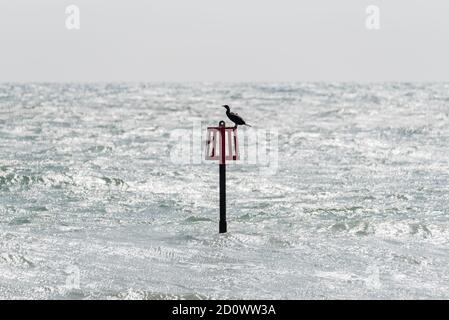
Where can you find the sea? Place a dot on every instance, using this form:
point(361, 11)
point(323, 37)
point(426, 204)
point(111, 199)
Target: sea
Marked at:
point(341, 191)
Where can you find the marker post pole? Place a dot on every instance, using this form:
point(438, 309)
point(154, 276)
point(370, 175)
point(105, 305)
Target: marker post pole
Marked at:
point(222, 165)
point(216, 144)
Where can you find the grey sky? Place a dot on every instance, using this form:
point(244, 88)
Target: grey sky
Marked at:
point(226, 40)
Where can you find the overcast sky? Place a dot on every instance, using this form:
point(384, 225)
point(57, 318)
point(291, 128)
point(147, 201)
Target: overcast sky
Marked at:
point(226, 40)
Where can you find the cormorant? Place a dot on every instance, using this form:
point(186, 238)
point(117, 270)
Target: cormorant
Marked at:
point(234, 117)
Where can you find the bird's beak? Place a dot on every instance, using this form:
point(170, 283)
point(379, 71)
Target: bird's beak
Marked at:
point(224, 106)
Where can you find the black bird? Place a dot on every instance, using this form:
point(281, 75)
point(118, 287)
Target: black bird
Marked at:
point(234, 117)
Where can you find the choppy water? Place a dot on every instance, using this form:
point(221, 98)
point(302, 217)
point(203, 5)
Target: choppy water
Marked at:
point(357, 207)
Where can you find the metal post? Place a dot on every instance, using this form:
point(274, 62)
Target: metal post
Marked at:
point(222, 165)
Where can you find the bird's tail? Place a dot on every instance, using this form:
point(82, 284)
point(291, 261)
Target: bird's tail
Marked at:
point(247, 125)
